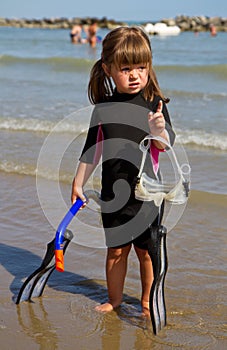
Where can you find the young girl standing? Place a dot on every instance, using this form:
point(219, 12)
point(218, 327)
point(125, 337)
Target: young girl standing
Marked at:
point(128, 106)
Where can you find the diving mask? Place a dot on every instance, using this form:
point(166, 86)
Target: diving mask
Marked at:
point(148, 189)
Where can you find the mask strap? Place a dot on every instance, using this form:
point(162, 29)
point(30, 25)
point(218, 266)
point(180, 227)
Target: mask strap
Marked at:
point(144, 147)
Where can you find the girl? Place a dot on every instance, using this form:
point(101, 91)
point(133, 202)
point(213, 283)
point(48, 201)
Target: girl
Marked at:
point(134, 107)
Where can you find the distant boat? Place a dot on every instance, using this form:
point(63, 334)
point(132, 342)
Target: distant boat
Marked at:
point(161, 29)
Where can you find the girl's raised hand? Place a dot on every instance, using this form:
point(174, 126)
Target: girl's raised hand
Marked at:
point(156, 120)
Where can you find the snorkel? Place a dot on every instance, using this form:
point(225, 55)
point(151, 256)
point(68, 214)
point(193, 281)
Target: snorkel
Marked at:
point(59, 238)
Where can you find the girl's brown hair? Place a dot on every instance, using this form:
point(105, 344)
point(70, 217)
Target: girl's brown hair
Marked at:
point(123, 46)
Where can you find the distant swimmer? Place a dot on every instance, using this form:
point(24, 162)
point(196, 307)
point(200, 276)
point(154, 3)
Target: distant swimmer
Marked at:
point(213, 31)
point(91, 34)
point(75, 34)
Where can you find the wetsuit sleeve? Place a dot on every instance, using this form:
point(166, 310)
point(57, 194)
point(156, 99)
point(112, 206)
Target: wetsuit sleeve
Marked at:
point(92, 150)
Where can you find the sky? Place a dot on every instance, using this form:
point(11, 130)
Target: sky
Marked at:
point(119, 10)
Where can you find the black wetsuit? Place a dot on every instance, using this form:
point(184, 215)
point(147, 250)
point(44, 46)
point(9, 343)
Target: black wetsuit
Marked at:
point(124, 124)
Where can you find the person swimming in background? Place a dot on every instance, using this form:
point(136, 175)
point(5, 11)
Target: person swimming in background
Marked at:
point(76, 34)
point(91, 32)
point(213, 31)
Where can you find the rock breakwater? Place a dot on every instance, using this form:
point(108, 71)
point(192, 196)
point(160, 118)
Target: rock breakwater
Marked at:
point(185, 23)
point(58, 23)
point(197, 23)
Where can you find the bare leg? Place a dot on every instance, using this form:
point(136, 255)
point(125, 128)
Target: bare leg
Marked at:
point(116, 268)
point(146, 274)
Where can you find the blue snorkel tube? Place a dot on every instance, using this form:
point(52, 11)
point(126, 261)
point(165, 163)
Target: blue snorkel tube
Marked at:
point(59, 238)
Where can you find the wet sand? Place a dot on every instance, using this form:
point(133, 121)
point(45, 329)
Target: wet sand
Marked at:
point(64, 316)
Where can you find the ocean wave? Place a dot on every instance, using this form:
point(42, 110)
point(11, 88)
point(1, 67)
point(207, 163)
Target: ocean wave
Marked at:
point(11, 167)
point(58, 63)
point(205, 96)
point(213, 198)
point(22, 168)
point(202, 139)
point(217, 69)
point(198, 138)
point(85, 64)
point(14, 168)
point(35, 125)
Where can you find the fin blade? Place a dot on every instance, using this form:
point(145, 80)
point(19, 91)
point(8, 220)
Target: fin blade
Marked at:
point(35, 283)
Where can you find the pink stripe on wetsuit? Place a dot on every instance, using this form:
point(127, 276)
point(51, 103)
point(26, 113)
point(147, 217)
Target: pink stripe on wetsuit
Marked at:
point(99, 145)
point(154, 154)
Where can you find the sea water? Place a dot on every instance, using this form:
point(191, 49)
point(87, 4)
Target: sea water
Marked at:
point(44, 78)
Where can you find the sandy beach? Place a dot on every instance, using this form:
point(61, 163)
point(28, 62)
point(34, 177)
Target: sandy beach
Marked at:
point(65, 316)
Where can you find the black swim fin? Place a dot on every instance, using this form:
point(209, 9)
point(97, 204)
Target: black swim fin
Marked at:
point(35, 283)
point(158, 252)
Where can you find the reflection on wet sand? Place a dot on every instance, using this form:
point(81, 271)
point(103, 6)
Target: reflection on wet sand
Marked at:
point(34, 322)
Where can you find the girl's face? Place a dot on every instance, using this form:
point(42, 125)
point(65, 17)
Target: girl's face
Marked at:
point(128, 79)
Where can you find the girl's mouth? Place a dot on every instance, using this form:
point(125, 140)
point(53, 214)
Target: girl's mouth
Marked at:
point(133, 85)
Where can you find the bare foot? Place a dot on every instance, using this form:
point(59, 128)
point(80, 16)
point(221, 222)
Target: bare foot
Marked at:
point(145, 312)
point(145, 309)
point(107, 307)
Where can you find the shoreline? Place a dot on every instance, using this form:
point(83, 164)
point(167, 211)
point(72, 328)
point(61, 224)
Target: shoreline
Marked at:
point(185, 23)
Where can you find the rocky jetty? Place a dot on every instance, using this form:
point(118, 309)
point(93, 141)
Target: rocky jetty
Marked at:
point(185, 23)
point(197, 23)
point(58, 23)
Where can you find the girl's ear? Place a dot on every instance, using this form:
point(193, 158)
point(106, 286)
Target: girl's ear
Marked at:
point(106, 69)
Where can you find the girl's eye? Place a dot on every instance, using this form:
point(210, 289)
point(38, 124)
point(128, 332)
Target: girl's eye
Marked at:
point(141, 69)
point(125, 70)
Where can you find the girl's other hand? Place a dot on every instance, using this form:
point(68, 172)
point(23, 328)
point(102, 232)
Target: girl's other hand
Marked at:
point(77, 192)
point(156, 120)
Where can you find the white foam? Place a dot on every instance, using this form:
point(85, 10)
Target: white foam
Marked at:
point(35, 125)
point(202, 138)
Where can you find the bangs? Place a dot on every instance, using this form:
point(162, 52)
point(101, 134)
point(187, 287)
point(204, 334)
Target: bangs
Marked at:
point(132, 50)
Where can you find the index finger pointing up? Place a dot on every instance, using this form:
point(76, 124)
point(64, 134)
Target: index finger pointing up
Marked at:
point(160, 105)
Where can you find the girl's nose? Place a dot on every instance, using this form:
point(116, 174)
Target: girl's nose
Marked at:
point(133, 73)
